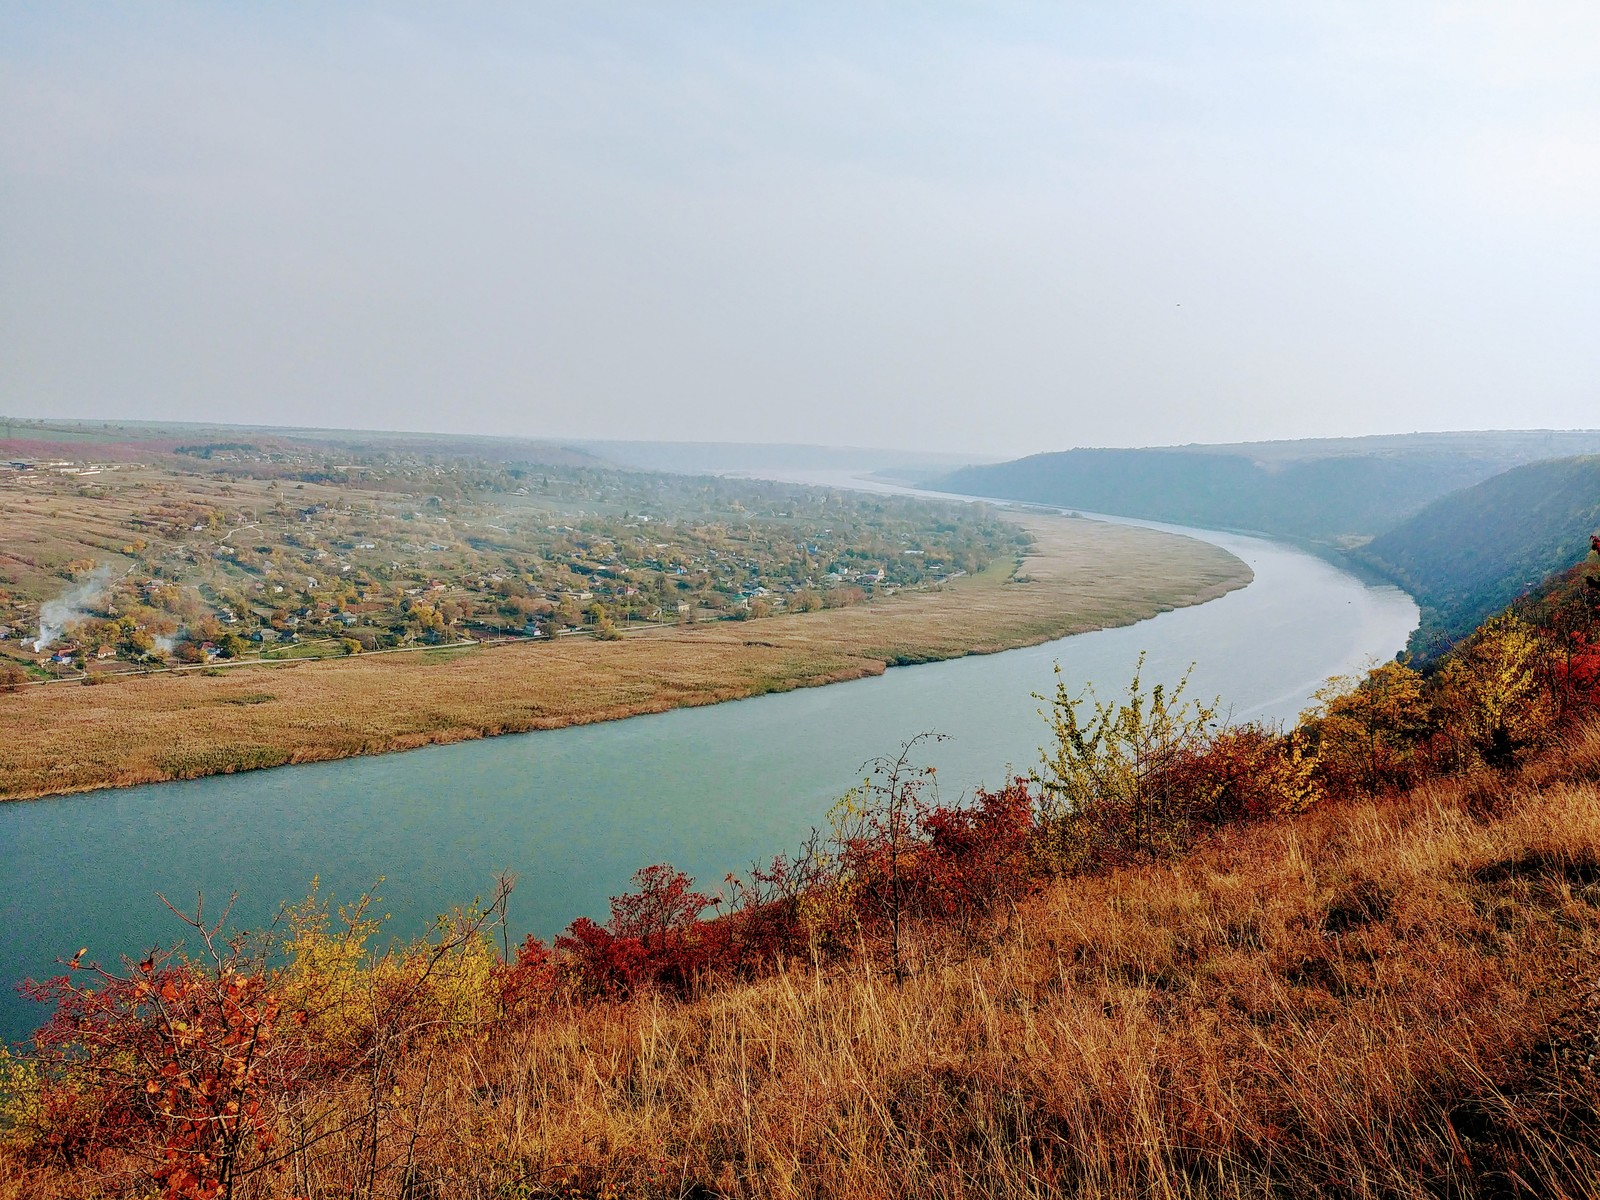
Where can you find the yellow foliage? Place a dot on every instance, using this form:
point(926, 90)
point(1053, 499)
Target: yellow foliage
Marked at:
point(323, 974)
point(1367, 730)
point(1493, 694)
point(347, 988)
point(19, 1095)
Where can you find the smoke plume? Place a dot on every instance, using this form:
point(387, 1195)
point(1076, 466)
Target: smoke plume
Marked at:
point(71, 606)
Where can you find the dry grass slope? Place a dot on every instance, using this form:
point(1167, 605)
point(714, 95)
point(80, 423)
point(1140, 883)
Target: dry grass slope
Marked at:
point(1384, 999)
point(1082, 575)
point(1391, 999)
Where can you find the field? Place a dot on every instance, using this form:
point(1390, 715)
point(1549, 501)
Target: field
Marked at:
point(1078, 575)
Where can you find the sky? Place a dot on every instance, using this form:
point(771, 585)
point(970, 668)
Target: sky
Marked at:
point(989, 229)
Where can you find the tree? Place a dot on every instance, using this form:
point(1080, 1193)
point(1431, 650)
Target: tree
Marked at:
point(1105, 776)
point(1368, 733)
point(12, 677)
point(664, 900)
point(175, 1059)
point(1493, 694)
point(875, 827)
point(136, 643)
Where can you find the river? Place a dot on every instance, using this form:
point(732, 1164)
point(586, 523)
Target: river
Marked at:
point(573, 812)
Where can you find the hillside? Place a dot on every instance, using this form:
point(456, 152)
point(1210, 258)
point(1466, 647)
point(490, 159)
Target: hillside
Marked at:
point(1470, 553)
point(716, 458)
point(1337, 490)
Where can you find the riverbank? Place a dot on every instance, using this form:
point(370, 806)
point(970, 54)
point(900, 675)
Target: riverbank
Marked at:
point(1080, 575)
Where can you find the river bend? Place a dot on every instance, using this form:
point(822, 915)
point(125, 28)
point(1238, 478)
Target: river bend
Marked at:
point(574, 811)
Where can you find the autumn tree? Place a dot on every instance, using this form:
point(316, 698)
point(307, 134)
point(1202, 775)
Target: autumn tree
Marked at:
point(176, 1060)
point(1367, 732)
point(875, 829)
point(1492, 692)
point(1105, 776)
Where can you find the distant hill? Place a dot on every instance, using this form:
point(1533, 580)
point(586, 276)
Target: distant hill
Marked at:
point(1341, 491)
point(146, 440)
point(1471, 553)
point(711, 458)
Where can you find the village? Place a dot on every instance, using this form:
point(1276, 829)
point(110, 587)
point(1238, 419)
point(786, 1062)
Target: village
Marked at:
point(224, 553)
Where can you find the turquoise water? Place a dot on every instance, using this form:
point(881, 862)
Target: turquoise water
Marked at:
point(573, 812)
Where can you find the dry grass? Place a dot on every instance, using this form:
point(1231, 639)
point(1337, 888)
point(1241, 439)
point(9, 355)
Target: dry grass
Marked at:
point(1392, 999)
point(1082, 575)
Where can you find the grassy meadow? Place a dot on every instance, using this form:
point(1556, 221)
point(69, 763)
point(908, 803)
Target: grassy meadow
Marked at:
point(1079, 575)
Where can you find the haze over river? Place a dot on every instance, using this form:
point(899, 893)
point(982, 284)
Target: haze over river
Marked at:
point(574, 812)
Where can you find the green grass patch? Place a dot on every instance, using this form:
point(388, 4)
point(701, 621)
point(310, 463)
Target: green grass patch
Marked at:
point(447, 653)
point(997, 572)
point(221, 760)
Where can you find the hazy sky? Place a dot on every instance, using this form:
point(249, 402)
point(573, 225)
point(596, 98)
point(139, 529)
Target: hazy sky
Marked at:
point(998, 228)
